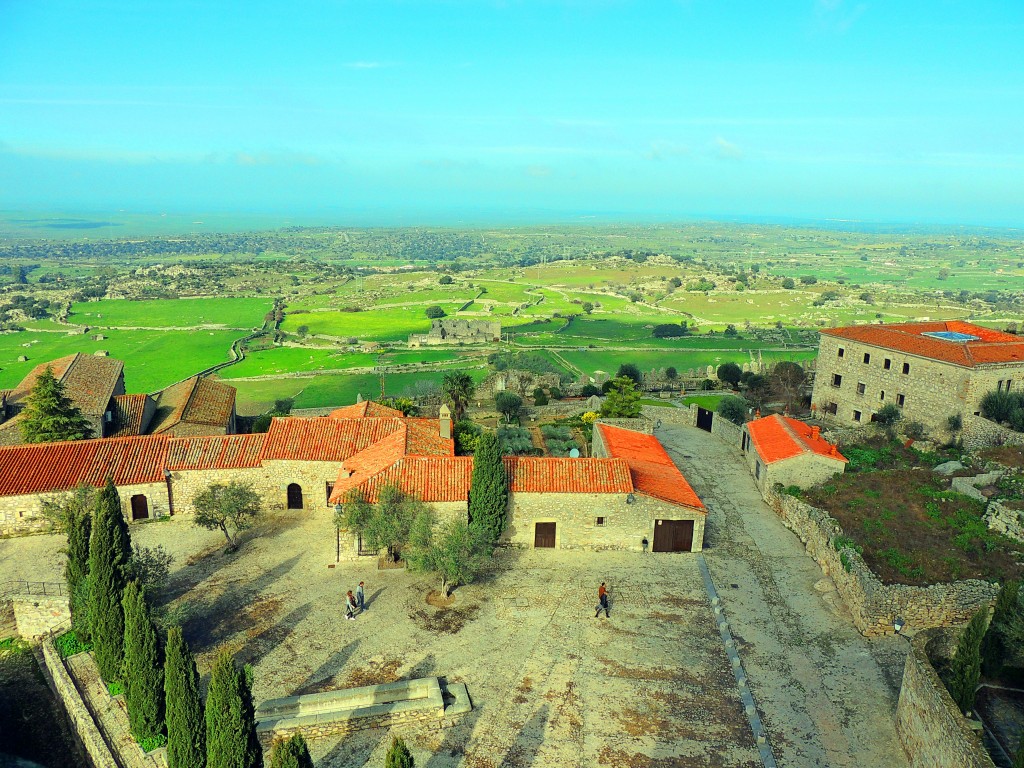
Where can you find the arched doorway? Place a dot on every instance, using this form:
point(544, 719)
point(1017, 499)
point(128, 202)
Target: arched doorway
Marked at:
point(294, 496)
point(140, 507)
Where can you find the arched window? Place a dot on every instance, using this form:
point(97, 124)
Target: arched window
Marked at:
point(294, 496)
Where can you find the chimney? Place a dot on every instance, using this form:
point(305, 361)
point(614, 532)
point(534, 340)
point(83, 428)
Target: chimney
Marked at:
point(445, 422)
point(815, 432)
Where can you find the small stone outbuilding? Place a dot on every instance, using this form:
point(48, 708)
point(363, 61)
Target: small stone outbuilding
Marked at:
point(788, 451)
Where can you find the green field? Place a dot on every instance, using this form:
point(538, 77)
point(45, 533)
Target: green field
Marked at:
point(392, 324)
point(294, 359)
point(153, 359)
point(242, 313)
point(609, 361)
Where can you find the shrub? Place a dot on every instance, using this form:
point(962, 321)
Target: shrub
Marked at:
point(914, 430)
point(888, 415)
point(434, 312)
point(999, 406)
point(955, 423)
point(631, 371)
point(965, 669)
point(788, 283)
point(729, 373)
point(732, 408)
point(398, 755)
point(589, 390)
point(68, 644)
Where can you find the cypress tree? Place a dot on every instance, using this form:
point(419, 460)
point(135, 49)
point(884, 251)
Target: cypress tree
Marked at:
point(965, 669)
point(50, 415)
point(398, 755)
point(109, 553)
point(230, 720)
point(291, 753)
point(143, 672)
point(488, 490)
point(1018, 760)
point(76, 569)
point(186, 742)
point(993, 647)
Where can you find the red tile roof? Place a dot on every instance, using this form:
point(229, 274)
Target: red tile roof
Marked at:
point(366, 410)
point(990, 347)
point(428, 478)
point(41, 468)
point(193, 401)
point(215, 452)
point(128, 414)
point(652, 469)
point(89, 381)
point(297, 439)
point(545, 475)
point(776, 438)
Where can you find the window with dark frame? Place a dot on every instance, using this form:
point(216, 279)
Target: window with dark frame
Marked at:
point(841, 352)
point(900, 400)
point(856, 415)
point(906, 367)
point(887, 364)
point(881, 395)
point(600, 521)
point(861, 386)
point(837, 380)
point(867, 358)
point(330, 490)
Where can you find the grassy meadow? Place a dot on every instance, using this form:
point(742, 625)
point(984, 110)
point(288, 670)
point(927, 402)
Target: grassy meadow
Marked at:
point(240, 313)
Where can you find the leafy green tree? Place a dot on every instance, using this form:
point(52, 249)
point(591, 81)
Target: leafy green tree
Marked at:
point(508, 404)
point(186, 734)
point(994, 646)
point(233, 506)
point(455, 552)
point(403, 404)
point(457, 389)
point(589, 390)
point(622, 400)
point(965, 669)
point(539, 397)
point(110, 551)
point(74, 512)
point(445, 280)
point(488, 489)
point(787, 379)
point(671, 373)
point(888, 415)
point(630, 371)
point(588, 307)
point(732, 408)
point(383, 525)
point(788, 283)
point(730, 373)
point(293, 752)
point(142, 674)
point(230, 722)
point(434, 312)
point(49, 414)
point(398, 755)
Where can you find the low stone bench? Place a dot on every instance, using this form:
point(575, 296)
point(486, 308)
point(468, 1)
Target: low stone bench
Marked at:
point(354, 709)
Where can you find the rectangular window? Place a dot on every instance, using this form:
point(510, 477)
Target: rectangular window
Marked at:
point(887, 364)
point(881, 395)
point(906, 367)
point(833, 408)
point(867, 358)
point(330, 490)
point(744, 442)
point(856, 415)
point(899, 400)
point(861, 387)
point(842, 351)
point(600, 521)
point(837, 380)
point(757, 470)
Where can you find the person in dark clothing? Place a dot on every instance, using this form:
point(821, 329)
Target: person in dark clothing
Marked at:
point(602, 605)
point(350, 605)
point(360, 597)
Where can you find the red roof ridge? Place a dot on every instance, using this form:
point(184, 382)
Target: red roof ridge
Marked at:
point(652, 469)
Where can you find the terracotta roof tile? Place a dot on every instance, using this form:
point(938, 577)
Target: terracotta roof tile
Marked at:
point(128, 414)
point(299, 439)
point(424, 439)
point(776, 438)
point(215, 452)
point(990, 347)
point(653, 471)
point(29, 469)
point(193, 401)
point(547, 475)
point(89, 381)
point(428, 478)
point(366, 410)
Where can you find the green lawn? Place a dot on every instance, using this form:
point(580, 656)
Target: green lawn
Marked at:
point(592, 360)
point(171, 313)
point(295, 359)
point(391, 324)
point(153, 359)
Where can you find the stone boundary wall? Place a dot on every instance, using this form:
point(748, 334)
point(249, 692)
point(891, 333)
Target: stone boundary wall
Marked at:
point(39, 615)
point(875, 605)
point(641, 424)
point(1002, 519)
point(968, 486)
point(982, 433)
point(725, 430)
point(931, 728)
point(685, 416)
point(84, 726)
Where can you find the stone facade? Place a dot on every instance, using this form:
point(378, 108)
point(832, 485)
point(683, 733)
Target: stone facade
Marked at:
point(930, 392)
point(594, 521)
point(979, 432)
point(21, 515)
point(874, 605)
point(931, 728)
point(38, 615)
point(453, 330)
point(803, 471)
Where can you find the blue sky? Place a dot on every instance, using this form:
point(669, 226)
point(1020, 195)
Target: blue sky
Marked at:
point(444, 111)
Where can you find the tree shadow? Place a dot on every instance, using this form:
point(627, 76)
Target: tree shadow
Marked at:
point(318, 681)
point(354, 748)
point(453, 746)
point(523, 751)
point(266, 640)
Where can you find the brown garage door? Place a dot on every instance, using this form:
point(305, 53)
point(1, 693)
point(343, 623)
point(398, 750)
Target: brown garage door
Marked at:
point(544, 535)
point(673, 535)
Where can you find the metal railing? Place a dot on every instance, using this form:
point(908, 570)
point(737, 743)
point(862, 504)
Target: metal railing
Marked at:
point(22, 588)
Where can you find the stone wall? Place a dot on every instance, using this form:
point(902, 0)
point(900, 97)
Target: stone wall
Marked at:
point(38, 615)
point(980, 433)
point(933, 731)
point(642, 424)
point(344, 727)
point(874, 605)
point(81, 720)
point(1004, 520)
point(21, 515)
point(624, 525)
point(726, 430)
point(682, 416)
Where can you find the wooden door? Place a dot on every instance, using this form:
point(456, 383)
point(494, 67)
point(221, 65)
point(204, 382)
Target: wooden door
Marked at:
point(544, 535)
point(673, 536)
point(294, 496)
point(140, 507)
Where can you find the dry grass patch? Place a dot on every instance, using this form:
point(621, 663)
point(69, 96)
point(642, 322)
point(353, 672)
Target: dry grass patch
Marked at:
point(445, 621)
point(1007, 455)
point(374, 672)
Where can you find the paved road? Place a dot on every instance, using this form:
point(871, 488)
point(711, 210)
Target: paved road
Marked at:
point(826, 694)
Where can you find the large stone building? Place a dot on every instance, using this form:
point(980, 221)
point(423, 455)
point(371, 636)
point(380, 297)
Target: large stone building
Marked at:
point(95, 385)
point(630, 492)
point(779, 449)
point(456, 330)
point(931, 371)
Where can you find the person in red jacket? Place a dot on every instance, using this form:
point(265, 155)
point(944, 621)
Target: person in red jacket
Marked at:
point(602, 605)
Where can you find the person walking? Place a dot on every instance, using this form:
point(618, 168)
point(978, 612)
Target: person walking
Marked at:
point(602, 605)
point(350, 605)
point(360, 597)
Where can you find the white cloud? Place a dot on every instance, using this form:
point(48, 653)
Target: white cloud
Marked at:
point(726, 150)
